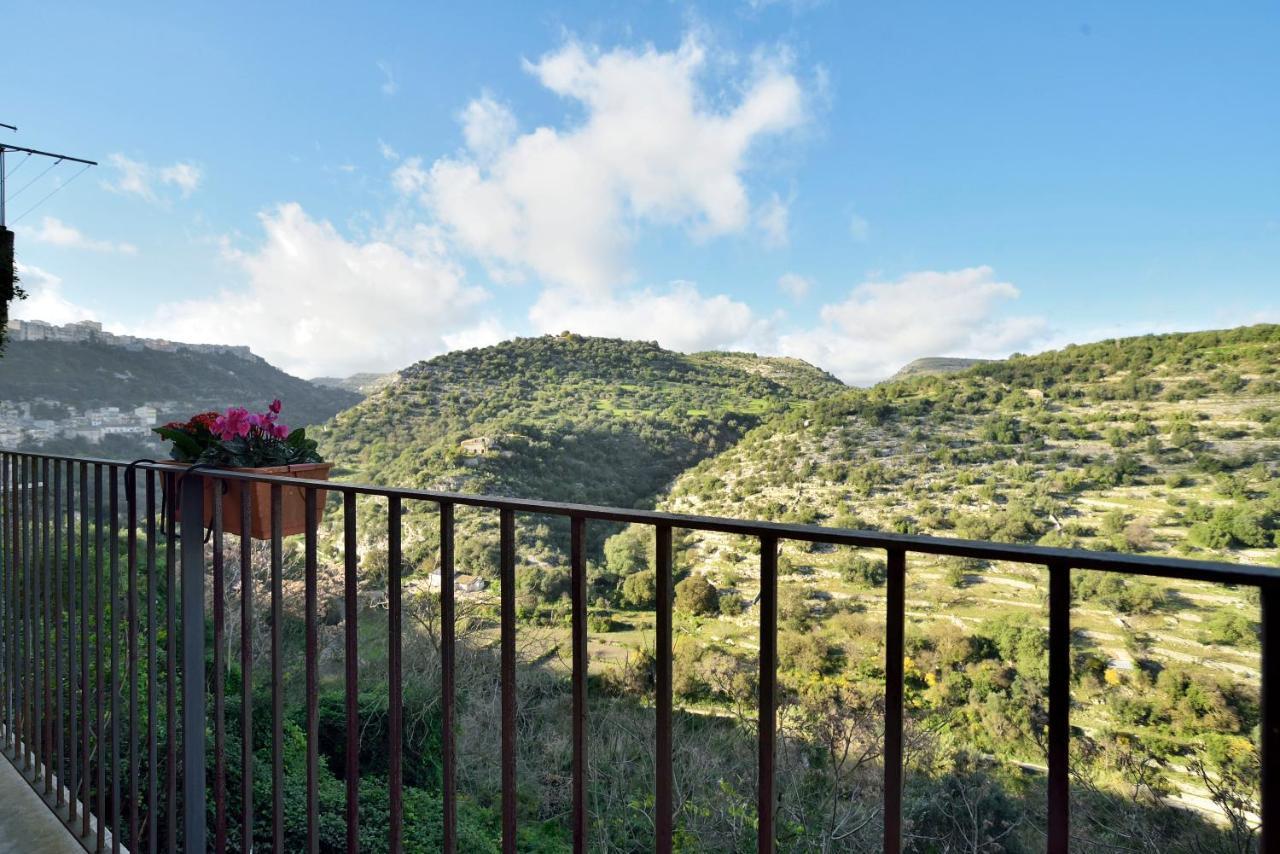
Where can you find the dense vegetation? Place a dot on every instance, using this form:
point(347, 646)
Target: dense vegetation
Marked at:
point(1163, 444)
point(87, 376)
point(563, 418)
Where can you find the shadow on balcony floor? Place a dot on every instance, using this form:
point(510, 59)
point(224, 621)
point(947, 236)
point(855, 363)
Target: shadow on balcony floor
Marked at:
point(26, 823)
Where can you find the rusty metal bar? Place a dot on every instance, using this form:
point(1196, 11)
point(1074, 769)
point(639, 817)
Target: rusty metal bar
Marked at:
point(351, 606)
point(507, 573)
point(194, 798)
point(1270, 717)
point(448, 617)
point(219, 674)
point(113, 588)
point(277, 669)
point(395, 698)
point(311, 665)
point(895, 619)
point(153, 675)
point(664, 775)
point(767, 728)
point(578, 595)
point(1059, 706)
point(131, 567)
point(246, 666)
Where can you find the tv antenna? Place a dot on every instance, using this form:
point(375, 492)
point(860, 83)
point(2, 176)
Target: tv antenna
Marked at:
point(58, 159)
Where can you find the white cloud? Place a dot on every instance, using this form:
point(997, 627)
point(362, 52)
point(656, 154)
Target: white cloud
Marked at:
point(678, 318)
point(319, 303)
point(134, 177)
point(794, 285)
point(389, 85)
point(883, 325)
point(487, 332)
point(488, 127)
point(55, 232)
point(773, 218)
point(655, 146)
point(45, 300)
point(387, 152)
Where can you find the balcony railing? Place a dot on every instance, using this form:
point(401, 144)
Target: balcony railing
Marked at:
point(62, 610)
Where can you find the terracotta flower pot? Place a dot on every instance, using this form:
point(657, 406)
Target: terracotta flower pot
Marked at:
point(293, 500)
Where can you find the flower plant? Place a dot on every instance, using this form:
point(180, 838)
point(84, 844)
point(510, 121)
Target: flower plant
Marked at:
point(239, 438)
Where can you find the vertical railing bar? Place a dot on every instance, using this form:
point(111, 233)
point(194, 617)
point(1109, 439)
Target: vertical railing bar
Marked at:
point(767, 730)
point(1269, 715)
point(578, 596)
point(131, 567)
point(73, 722)
point(153, 685)
point(59, 706)
point(6, 551)
point(99, 682)
point(173, 602)
point(664, 775)
point(351, 683)
point(86, 721)
point(20, 611)
point(37, 687)
point(113, 587)
point(28, 633)
point(246, 665)
point(46, 656)
point(394, 688)
point(277, 669)
point(1059, 706)
point(219, 671)
point(194, 798)
point(448, 618)
point(6, 548)
point(311, 663)
point(895, 620)
point(507, 572)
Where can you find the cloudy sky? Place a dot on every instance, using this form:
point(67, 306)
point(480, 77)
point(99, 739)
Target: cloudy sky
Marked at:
point(350, 188)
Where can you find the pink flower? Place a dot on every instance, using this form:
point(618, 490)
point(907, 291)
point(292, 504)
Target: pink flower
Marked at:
point(280, 431)
point(275, 406)
point(234, 423)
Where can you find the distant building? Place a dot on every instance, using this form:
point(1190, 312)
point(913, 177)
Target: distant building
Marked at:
point(90, 331)
point(476, 446)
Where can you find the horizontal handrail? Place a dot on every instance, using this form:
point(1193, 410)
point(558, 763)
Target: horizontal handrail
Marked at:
point(1155, 566)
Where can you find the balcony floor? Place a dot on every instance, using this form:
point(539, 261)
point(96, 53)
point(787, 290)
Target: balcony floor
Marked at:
point(26, 822)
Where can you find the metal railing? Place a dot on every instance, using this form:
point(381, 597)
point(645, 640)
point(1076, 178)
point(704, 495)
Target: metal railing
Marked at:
point(54, 623)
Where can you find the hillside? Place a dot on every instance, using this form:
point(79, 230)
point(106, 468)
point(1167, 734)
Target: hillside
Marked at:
point(86, 375)
point(1163, 444)
point(361, 384)
point(935, 365)
point(565, 418)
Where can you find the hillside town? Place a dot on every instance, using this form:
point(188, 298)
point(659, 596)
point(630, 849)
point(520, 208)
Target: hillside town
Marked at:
point(91, 332)
point(41, 420)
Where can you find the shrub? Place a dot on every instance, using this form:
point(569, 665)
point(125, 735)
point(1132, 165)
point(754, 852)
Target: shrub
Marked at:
point(696, 595)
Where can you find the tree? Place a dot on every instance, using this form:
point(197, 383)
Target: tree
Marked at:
point(696, 595)
point(640, 589)
point(9, 290)
point(626, 553)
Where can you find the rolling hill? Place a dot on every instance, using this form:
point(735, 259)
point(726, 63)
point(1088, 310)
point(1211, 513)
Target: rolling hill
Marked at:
point(565, 417)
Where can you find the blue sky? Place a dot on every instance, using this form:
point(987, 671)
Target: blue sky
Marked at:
point(348, 188)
